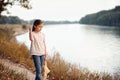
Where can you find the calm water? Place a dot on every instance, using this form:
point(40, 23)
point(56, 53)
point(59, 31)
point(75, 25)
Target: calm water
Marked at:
point(94, 47)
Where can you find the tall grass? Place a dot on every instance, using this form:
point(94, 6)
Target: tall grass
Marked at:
point(7, 74)
point(17, 53)
point(60, 69)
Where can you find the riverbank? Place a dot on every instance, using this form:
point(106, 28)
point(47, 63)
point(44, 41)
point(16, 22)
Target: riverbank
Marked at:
point(16, 28)
point(8, 74)
point(18, 69)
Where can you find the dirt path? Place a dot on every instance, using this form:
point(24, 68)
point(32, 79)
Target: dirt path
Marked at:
point(18, 69)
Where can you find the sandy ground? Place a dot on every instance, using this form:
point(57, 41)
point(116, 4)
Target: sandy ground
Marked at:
point(18, 68)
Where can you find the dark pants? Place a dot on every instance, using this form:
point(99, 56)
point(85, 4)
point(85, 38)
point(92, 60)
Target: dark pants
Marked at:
point(38, 62)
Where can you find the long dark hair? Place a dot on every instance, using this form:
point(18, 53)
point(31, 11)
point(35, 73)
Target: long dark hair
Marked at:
point(36, 22)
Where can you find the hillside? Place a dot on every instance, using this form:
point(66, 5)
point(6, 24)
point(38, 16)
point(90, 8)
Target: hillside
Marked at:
point(106, 17)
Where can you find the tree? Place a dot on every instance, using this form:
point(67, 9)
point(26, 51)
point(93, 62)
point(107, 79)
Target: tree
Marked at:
point(5, 3)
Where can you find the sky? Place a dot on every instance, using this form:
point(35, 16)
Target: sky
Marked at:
point(61, 9)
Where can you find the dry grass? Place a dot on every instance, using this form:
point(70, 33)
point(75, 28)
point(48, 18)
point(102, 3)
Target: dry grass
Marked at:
point(7, 74)
point(60, 69)
point(10, 25)
point(17, 53)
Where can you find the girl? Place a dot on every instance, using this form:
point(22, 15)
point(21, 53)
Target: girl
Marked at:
point(38, 47)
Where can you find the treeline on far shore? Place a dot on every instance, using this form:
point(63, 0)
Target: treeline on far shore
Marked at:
point(105, 18)
point(17, 20)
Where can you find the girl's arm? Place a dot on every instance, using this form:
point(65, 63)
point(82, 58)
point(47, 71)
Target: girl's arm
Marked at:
point(45, 48)
point(30, 34)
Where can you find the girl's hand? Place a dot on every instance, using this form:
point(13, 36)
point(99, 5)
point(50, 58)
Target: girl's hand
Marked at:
point(45, 57)
point(30, 29)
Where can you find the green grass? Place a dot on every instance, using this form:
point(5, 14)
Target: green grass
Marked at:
point(7, 74)
point(60, 69)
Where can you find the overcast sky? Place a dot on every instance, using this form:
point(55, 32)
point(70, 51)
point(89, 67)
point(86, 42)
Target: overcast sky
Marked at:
point(62, 9)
